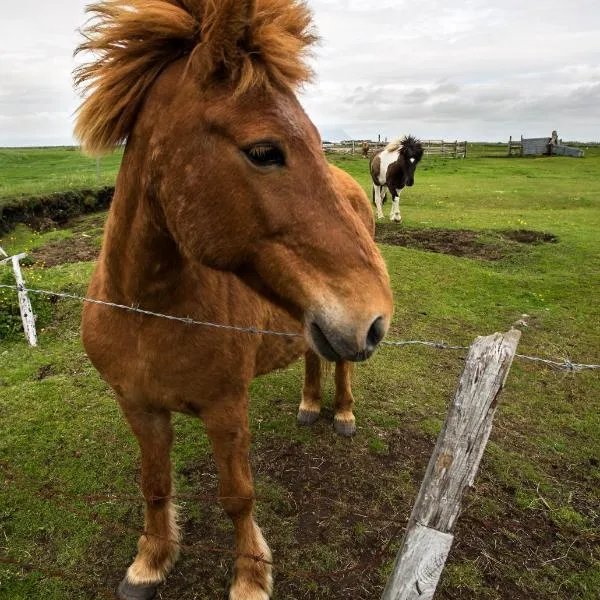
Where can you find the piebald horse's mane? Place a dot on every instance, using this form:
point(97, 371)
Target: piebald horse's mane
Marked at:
point(134, 40)
point(407, 140)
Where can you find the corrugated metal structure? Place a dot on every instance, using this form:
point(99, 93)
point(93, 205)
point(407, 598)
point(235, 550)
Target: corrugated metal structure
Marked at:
point(544, 147)
point(535, 146)
point(561, 150)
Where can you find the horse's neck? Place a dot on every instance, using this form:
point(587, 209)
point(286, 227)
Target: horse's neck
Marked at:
point(140, 262)
point(387, 158)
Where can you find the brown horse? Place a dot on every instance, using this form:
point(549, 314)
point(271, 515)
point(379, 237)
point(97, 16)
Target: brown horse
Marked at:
point(365, 147)
point(225, 210)
point(310, 407)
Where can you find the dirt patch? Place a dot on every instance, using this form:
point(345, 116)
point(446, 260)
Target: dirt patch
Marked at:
point(526, 236)
point(44, 371)
point(488, 245)
point(334, 513)
point(77, 249)
point(45, 212)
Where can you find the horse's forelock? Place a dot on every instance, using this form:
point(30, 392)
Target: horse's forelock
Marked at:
point(412, 147)
point(261, 42)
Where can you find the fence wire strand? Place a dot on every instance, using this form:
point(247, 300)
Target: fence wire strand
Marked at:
point(566, 364)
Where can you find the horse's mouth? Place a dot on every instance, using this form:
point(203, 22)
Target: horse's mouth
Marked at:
point(322, 345)
point(326, 349)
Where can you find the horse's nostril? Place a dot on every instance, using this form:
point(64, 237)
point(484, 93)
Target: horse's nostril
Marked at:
point(376, 333)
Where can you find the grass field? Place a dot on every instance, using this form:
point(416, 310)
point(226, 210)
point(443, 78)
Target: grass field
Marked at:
point(530, 529)
point(36, 171)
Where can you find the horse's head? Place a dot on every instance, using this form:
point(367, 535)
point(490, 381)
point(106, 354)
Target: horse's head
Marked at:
point(230, 165)
point(411, 152)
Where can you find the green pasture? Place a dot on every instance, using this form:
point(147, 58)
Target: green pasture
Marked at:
point(38, 171)
point(530, 528)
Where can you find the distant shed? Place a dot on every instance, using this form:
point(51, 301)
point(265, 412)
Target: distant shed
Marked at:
point(544, 146)
point(534, 146)
point(561, 150)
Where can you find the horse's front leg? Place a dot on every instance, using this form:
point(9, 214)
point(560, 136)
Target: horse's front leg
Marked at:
point(227, 427)
point(310, 407)
point(344, 421)
point(158, 547)
point(395, 212)
point(377, 197)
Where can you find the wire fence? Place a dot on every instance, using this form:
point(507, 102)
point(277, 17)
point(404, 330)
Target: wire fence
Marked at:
point(565, 364)
point(68, 501)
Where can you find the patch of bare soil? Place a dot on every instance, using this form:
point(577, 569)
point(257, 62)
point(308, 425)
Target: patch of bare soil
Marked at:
point(526, 236)
point(77, 249)
point(489, 245)
point(334, 514)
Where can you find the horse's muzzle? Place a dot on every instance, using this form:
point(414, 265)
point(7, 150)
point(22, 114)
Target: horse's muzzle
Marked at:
point(335, 344)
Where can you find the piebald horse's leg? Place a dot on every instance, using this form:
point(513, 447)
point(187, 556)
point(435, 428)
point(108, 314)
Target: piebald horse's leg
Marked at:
point(395, 211)
point(229, 432)
point(310, 407)
point(344, 421)
point(158, 547)
point(377, 189)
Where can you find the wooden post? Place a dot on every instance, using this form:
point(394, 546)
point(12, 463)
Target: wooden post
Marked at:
point(510, 145)
point(465, 154)
point(452, 468)
point(24, 304)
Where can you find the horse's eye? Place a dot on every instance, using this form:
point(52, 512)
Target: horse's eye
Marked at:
point(265, 154)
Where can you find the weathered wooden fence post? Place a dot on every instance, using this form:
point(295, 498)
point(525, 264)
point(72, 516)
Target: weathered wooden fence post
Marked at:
point(452, 468)
point(24, 305)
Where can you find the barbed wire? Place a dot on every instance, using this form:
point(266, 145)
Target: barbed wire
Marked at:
point(59, 498)
point(566, 364)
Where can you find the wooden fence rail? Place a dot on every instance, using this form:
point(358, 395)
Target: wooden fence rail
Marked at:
point(452, 469)
point(454, 149)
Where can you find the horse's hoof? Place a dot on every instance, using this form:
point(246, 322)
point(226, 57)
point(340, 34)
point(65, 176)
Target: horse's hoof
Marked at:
point(128, 591)
point(344, 428)
point(307, 417)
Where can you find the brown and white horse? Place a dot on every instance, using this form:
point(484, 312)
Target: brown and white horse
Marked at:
point(225, 210)
point(394, 167)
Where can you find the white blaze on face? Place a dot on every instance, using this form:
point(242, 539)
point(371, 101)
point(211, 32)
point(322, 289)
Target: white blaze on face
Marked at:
point(386, 158)
point(412, 160)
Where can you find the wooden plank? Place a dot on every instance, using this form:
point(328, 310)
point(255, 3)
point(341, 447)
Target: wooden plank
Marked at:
point(454, 462)
point(24, 305)
point(424, 555)
point(10, 258)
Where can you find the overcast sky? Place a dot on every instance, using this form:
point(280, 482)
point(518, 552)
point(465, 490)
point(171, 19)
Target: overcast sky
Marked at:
point(475, 69)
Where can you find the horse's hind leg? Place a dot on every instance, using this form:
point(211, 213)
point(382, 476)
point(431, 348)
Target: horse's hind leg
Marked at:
point(310, 407)
point(344, 421)
point(158, 547)
point(227, 427)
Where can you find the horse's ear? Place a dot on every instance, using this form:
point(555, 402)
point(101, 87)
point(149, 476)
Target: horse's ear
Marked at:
point(224, 28)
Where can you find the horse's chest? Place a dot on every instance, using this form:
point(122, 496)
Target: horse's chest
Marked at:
point(386, 160)
point(279, 352)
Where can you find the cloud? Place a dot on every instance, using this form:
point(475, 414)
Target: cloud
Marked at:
point(478, 69)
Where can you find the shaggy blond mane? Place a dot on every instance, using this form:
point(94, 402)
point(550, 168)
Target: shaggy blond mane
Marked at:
point(394, 145)
point(254, 43)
